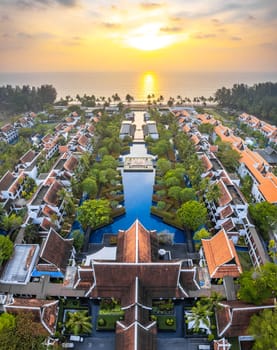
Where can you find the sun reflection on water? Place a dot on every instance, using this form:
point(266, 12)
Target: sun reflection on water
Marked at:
point(148, 86)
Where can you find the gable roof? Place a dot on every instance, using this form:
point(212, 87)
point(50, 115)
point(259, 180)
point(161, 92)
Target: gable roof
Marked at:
point(44, 311)
point(225, 196)
point(71, 164)
point(233, 317)
point(221, 256)
point(134, 244)
point(51, 196)
point(6, 181)
point(56, 251)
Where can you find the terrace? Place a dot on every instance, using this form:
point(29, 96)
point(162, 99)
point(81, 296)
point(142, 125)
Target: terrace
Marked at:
point(18, 269)
point(39, 196)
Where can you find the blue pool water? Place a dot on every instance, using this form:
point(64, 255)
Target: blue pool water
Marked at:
point(138, 189)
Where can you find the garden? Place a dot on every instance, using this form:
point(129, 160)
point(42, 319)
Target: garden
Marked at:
point(163, 313)
point(110, 312)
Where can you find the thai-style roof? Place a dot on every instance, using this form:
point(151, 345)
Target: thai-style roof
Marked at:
point(56, 251)
point(51, 196)
point(134, 245)
point(28, 157)
point(233, 317)
point(225, 197)
point(6, 181)
point(44, 311)
point(71, 164)
point(221, 256)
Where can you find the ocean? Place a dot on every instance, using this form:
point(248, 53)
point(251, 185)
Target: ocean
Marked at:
point(138, 85)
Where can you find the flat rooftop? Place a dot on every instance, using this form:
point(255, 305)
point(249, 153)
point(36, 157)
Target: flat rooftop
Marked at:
point(19, 268)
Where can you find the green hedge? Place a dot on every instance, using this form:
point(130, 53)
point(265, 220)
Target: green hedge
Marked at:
point(165, 322)
point(107, 322)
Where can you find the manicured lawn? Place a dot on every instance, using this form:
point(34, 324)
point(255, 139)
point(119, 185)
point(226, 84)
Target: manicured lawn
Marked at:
point(166, 323)
point(108, 321)
point(245, 260)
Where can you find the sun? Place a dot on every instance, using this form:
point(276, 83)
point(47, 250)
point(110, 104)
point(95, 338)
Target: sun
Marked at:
point(148, 38)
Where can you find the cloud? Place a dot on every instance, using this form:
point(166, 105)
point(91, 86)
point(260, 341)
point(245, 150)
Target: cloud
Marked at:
point(111, 25)
point(24, 35)
point(150, 5)
point(236, 38)
point(36, 4)
point(4, 18)
point(74, 41)
point(203, 36)
point(171, 29)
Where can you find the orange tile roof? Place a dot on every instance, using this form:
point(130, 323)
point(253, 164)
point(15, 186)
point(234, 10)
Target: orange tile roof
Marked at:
point(221, 256)
point(206, 162)
point(195, 139)
point(225, 197)
point(136, 244)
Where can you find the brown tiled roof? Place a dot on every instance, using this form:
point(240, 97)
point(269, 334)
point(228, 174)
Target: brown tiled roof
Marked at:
point(221, 344)
point(63, 149)
point(56, 250)
point(116, 278)
point(51, 196)
point(213, 148)
point(6, 181)
point(134, 244)
point(28, 156)
point(233, 317)
point(225, 197)
point(44, 311)
point(15, 186)
point(71, 164)
point(228, 225)
point(188, 279)
point(46, 224)
point(227, 211)
point(47, 211)
point(206, 163)
point(195, 139)
point(84, 278)
point(6, 128)
point(126, 338)
point(221, 256)
point(83, 140)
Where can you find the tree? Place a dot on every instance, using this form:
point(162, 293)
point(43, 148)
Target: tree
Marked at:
point(163, 165)
point(31, 234)
point(192, 214)
point(11, 223)
point(94, 213)
point(7, 321)
point(175, 192)
point(201, 234)
point(79, 322)
point(78, 239)
point(258, 286)
point(263, 327)
point(6, 248)
point(213, 193)
point(187, 194)
point(228, 156)
point(89, 186)
point(200, 313)
point(23, 334)
point(264, 215)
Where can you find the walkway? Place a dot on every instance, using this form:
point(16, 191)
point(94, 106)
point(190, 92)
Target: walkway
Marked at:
point(139, 121)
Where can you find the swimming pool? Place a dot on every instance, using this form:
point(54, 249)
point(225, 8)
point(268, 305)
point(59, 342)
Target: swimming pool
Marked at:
point(138, 189)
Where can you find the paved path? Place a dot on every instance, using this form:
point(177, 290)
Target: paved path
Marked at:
point(139, 121)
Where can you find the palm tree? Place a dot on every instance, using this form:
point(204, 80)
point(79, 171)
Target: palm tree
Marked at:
point(199, 314)
point(79, 322)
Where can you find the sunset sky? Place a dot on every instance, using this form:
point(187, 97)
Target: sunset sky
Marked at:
point(131, 35)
